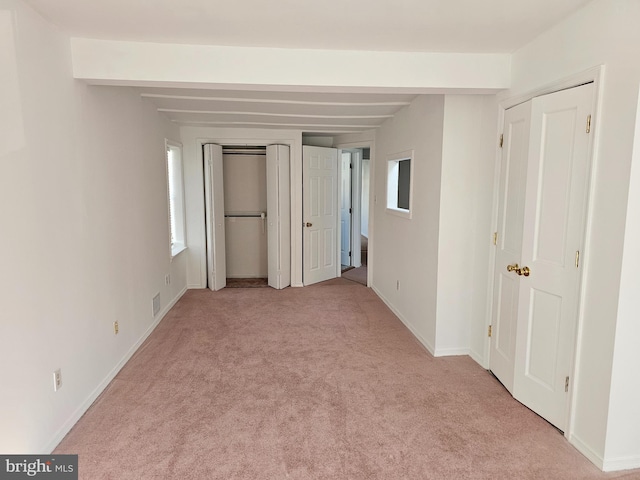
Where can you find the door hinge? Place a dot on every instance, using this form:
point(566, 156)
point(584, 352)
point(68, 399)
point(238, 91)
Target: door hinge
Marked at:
point(350, 210)
point(577, 258)
point(351, 165)
point(501, 140)
point(349, 253)
point(588, 123)
point(495, 238)
point(566, 384)
point(490, 331)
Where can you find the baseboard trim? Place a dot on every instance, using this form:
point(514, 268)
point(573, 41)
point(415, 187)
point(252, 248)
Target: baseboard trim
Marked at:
point(406, 323)
point(451, 352)
point(587, 451)
point(84, 406)
point(622, 463)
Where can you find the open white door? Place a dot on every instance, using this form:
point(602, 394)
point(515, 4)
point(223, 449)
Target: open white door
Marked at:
point(279, 216)
point(345, 208)
point(214, 192)
point(320, 214)
point(554, 219)
point(513, 170)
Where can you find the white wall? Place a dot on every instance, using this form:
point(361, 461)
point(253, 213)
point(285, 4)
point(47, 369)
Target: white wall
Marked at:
point(466, 202)
point(406, 250)
point(623, 434)
point(441, 255)
point(192, 140)
point(85, 237)
point(605, 419)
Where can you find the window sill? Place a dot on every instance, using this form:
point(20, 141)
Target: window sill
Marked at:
point(177, 249)
point(399, 212)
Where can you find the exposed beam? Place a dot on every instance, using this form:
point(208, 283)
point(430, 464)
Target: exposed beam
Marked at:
point(270, 124)
point(276, 101)
point(265, 114)
point(136, 63)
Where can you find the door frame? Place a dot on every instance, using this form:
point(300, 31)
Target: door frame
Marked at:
point(356, 195)
point(594, 75)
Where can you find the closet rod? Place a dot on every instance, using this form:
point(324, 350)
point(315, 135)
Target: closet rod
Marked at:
point(246, 215)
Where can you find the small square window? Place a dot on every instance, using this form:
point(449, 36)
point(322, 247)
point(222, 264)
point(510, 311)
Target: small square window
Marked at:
point(399, 183)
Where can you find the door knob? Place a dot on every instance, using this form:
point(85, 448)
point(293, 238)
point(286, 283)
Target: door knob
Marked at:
point(307, 224)
point(525, 271)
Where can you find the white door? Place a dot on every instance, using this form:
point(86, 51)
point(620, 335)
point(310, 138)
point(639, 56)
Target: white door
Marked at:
point(214, 192)
point(554, 217)
point(320, 214)
point(513, 169)
point(345, 208)
point(278, 216)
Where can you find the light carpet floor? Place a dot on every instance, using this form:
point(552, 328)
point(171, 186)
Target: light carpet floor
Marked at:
point(322, 382)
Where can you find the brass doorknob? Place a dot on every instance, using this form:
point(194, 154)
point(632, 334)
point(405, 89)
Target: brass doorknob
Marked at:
point(308, 224)
point(525, 271)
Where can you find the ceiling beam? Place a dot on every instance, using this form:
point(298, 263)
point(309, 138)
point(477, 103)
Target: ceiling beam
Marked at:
point(276, 101)
point(136, 63)
point(267, 114)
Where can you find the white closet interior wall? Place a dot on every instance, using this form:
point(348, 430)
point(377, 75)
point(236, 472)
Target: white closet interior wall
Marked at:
point(245, 198)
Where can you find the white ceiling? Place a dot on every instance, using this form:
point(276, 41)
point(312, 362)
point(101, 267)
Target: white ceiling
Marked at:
point(466, 26)
point(496, 26)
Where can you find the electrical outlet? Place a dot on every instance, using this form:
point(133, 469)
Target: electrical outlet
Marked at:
point(57, 380)
point(155, 303)
point(116, 327)
point(167, 279)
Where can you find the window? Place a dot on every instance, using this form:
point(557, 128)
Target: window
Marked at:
point(399, 183)
point(176, 197)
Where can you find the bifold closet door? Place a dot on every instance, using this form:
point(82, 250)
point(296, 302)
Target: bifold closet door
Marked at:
point(214, 192)
point(278, 216)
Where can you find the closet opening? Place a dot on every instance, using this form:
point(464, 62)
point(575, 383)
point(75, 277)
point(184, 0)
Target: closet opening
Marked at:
point(245, 215)
point(248, 220)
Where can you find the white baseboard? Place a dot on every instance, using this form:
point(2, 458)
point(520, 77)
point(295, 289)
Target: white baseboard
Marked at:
point(451, 352)
point(422, 340)
point(624, 463)
point(84, 406)
point(587, 451)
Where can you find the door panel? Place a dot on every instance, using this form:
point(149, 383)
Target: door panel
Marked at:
point(278, 216)
point(509, 246)
point(555, 205)
point(320, 214)
point(214, 190)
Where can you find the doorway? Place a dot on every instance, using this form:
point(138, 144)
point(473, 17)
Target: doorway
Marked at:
point(355, 213)
point(248, 220)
